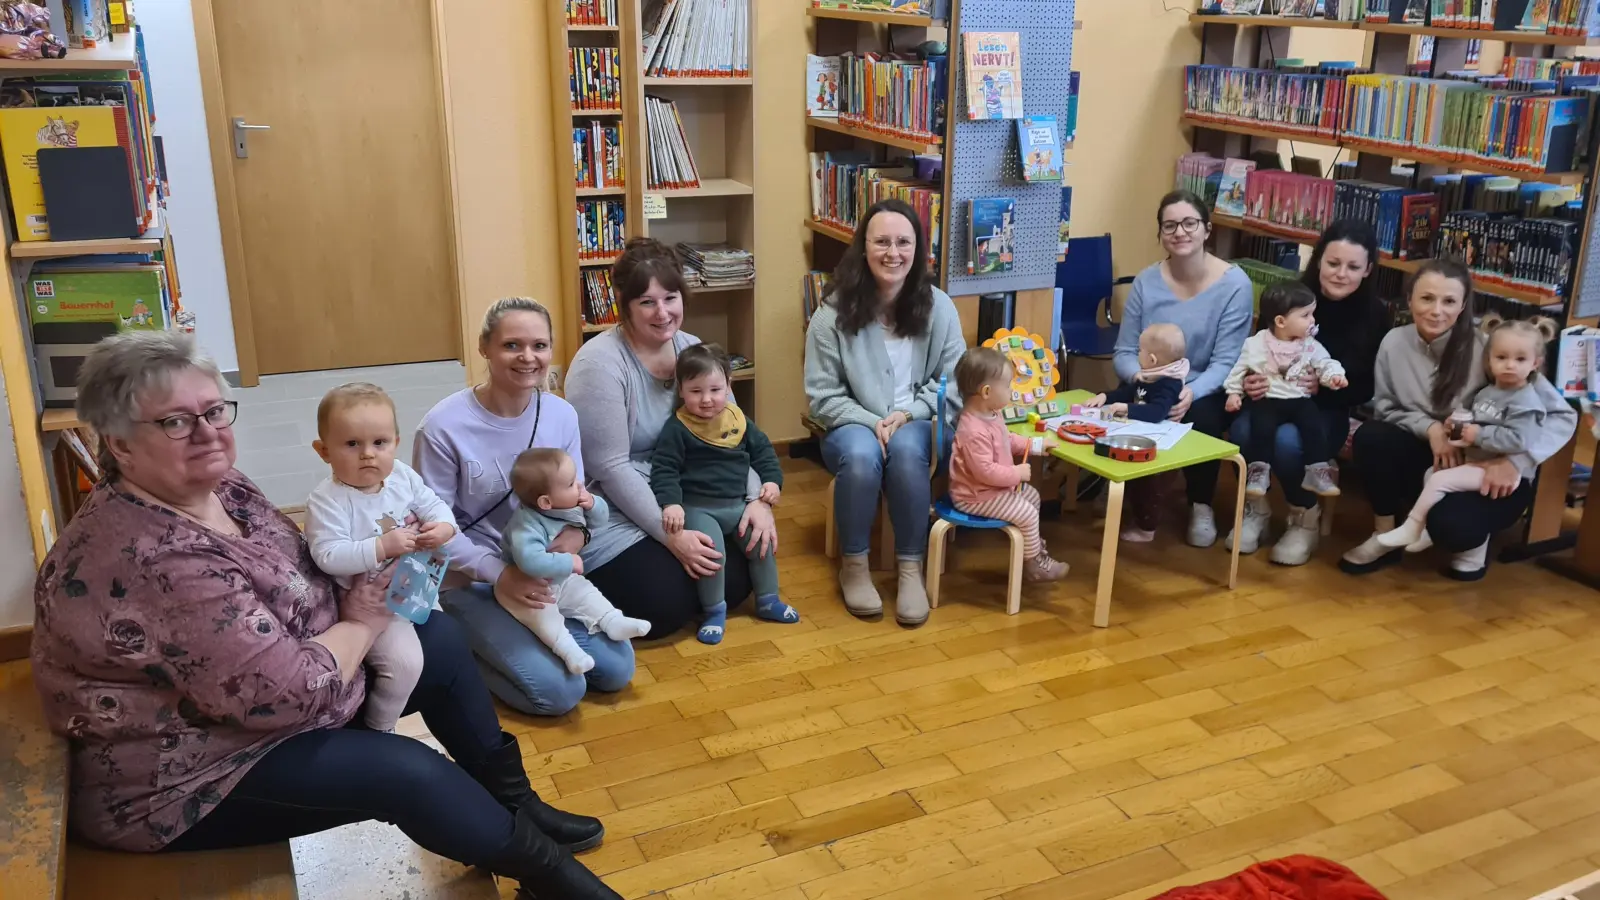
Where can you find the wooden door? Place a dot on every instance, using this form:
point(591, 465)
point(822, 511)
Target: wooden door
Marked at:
point(343, 204)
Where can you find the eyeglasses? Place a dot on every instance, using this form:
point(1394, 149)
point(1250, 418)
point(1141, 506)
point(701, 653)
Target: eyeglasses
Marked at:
point(884, 244)
point(1189, 226)
point(181, 425)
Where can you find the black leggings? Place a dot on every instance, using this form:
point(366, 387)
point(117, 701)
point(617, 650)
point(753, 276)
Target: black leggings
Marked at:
point(1208, 415)
point(647, 582)
point(335, 776)
point(1392, 462)
point(1266, 414)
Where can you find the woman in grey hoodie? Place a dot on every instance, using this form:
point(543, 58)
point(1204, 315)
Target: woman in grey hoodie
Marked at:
point(1425, 371)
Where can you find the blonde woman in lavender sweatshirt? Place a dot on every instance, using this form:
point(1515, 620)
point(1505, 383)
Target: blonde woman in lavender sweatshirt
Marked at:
point(464, 450)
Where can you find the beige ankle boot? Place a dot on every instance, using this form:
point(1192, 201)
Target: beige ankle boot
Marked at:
point(855, 581)
point(911, 601)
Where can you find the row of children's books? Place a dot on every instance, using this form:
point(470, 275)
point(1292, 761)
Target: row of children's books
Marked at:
point(671, 164)
point(935, 8)
point(601, 229)
point(1460, 120)
point(1537, 68)
point(1201, 174)
point(592, 12)
point(1561, 17)
point(599, 299)
point(86, 24)
point(1297, 205)
point(595, 75)
point(845, 182)
point(892, 93)
point(697, 38)
point(597, 155)
point(1507, 252)
point(67, 113)
point(813, 288)
point(1311, 104)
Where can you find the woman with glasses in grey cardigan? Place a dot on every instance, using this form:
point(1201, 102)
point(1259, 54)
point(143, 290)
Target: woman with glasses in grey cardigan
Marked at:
point(875, 351)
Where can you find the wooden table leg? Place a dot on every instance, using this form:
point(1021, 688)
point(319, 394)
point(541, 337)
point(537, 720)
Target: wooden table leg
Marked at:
point(1108, 555)
point(1238, 524)
point(1069, 499)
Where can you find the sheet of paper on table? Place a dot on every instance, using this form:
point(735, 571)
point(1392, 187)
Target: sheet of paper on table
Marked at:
point(1165, 434)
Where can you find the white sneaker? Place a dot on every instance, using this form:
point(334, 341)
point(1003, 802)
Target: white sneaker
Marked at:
point(1257, 517)
point(1300, 540)
point(1321, 479)
point(1202, 525)
point(1258, 480)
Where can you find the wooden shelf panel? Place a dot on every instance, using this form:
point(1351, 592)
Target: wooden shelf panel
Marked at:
point(596, 329)
point(588, 192)
point(601, 261)
point(1271, 21)
point(593, 27)
point(59, 420)
point(1462, 34)
point(1416, 155)
point(709, 187)
point(916, 145)
point(866, 15)
point(595, 112)
point(706, 81)
point(748, 373)
point(56, 249)
point(723, 289)
point(1262, 229)
point(117, 55)
point(828, 229)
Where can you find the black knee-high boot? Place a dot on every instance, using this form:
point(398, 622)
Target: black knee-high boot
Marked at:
point(544, 870)
point(501, 772)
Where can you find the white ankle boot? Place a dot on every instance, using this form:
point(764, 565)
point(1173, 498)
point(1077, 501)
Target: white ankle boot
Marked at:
point(1300, 540)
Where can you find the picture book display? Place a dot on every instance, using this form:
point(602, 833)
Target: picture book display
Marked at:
point(1230, 190)
point(893, 93)
point(822, 86)
point(130, 297)
point(1039, 146)
point(993, 66)
point(991, 227)
point(595, 77)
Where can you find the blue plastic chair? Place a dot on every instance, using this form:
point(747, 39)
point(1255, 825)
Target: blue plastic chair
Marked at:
point(947, 517)
point(1087, 285)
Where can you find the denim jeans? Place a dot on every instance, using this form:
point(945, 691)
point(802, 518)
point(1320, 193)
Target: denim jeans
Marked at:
point(523, 672)
point(1288, 460)
point(329, 777)
point(852, 453)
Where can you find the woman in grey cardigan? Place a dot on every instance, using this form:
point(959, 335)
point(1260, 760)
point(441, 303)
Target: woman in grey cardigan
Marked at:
point(875, 351)
point(621, 383)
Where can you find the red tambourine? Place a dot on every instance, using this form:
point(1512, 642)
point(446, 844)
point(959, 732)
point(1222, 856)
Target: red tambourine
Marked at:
point(1080, 432)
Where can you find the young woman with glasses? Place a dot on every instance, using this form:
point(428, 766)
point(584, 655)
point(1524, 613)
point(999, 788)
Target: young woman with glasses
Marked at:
point(1212, 301)
point(875, 351)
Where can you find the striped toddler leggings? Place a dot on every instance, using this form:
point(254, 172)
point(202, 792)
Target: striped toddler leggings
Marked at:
point(1020, 508)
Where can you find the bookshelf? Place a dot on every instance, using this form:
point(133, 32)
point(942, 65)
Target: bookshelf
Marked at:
point(1247, 42)
point(47, 503)
point(718, 126)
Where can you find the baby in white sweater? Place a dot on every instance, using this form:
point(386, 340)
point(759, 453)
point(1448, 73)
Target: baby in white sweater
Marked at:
point(1285, 350)
point(370, 510)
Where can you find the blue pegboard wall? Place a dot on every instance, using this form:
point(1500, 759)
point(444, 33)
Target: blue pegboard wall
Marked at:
point(984, 160)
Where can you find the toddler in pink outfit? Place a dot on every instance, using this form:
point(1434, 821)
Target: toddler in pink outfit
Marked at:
point(985, 478)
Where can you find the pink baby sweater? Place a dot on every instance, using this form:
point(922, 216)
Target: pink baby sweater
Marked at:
point(982, 465)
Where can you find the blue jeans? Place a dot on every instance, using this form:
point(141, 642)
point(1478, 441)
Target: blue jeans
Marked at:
point(523, 672)
point(1288, 460)
point(329, 777)
point(852, 453)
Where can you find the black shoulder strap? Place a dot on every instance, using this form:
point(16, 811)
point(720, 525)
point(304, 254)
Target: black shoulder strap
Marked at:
point(538, 410)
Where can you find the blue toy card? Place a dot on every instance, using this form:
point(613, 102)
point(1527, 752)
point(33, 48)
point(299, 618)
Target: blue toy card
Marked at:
point(414, 586)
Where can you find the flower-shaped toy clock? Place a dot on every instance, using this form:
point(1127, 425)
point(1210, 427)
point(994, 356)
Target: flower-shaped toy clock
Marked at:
point(1035, 374)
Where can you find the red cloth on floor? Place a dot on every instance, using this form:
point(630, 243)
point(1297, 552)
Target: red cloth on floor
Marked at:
point(1290, 878)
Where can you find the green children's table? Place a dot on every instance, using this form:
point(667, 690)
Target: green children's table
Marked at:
point(1193, 449)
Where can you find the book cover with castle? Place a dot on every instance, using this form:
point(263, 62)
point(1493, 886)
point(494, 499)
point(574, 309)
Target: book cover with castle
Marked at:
point(994, 74)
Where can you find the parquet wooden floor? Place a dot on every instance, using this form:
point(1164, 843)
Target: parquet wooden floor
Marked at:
point(1442, 740)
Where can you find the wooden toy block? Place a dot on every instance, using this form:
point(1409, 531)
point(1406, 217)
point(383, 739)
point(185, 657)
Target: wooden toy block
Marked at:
point(1027, 343)
point(1076, 409)
point(1038, 353)
point(1050, 408)
point(1016, 396)
point(1038, 425)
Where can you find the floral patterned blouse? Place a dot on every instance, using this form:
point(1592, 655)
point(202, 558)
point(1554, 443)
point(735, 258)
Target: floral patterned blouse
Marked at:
point(173, 657)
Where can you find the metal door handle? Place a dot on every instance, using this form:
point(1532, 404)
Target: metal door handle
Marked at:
point(241, 147)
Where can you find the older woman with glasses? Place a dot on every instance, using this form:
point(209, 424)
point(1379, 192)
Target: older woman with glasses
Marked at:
point(1212, 301)
point(206, 674)
point(875, 351)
